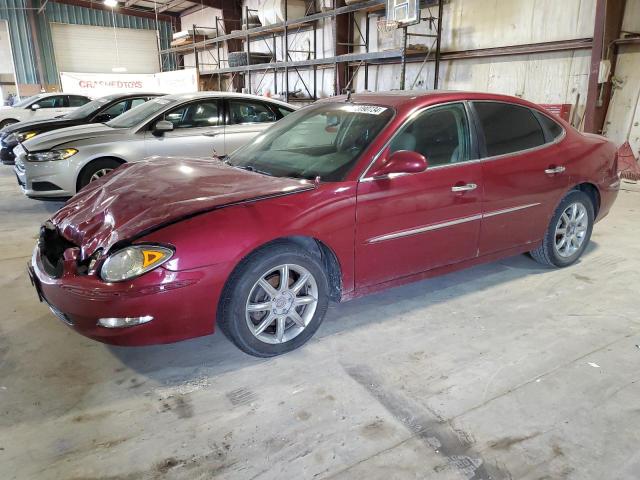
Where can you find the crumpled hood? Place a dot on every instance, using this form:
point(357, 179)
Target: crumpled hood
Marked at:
point(54, 138)
point(140, 197)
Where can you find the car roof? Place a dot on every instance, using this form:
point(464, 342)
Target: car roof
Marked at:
point(52, 94)
point(217, 94)
point(398, 98)
point(114, 96)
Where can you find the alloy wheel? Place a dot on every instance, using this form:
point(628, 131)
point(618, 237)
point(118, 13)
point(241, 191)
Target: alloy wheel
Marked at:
point(571, 230)
point(281, 303)
point(100, 173)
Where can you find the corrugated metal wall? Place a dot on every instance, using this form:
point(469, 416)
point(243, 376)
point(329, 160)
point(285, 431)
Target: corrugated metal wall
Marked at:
point(22, 39)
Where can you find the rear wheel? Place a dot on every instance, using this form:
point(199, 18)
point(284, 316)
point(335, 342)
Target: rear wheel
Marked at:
point(95, 170)
point(569, 231)
point(275, 300)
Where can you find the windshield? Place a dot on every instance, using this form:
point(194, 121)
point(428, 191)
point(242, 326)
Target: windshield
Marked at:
point(323, 140)
point(139, 114)
point(25, 101)
point(87, 109)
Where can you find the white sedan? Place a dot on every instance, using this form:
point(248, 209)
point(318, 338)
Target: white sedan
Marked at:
point(41, 106)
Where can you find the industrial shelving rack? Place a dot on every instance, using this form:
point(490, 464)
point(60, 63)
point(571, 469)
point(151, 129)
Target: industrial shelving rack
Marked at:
point(352, 60)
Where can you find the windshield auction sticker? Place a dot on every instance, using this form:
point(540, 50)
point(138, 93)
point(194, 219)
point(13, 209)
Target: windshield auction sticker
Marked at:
point(370, 109)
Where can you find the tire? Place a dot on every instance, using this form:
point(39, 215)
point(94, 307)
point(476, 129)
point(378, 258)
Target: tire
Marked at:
point(262, 339)
point(95, 168)
point(556, 252)
point(8, 121)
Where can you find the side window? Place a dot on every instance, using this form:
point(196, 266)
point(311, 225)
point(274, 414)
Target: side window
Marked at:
point(194, 115)
point(241, 111)
point(553, 129)
point(508, 128)
point(56, 101)
point(283, 111)
point(441, 134)
point(116, 109)
point(77, 101)
point(136, 102)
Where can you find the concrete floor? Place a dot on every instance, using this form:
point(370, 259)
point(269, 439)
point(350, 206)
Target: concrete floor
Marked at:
point(507, 370)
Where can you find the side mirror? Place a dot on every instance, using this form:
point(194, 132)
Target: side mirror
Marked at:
point(402, 161)
point(161, 127)
point(35, 107)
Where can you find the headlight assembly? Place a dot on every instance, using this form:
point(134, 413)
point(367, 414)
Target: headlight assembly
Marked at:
point(52, 155)
point(10, 139)
point(24, 136)
point(133, 261)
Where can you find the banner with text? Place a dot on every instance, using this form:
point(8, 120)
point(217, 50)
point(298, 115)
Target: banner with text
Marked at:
point(96, 85)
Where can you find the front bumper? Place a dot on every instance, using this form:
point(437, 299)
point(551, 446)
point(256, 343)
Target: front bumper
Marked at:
point(182, 303)
point(7, 156)
point(44, 179)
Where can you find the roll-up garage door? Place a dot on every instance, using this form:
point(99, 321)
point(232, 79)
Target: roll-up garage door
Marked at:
point(89, 49)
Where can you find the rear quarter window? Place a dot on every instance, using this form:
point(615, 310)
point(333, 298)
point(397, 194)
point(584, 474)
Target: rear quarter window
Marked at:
point(553, 128)
point(508, 128)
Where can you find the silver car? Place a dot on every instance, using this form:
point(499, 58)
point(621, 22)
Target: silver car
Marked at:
point(59, 163)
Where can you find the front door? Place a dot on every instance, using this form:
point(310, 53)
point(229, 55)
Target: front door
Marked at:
point(411, 223)
point(197, 132)
point(50, 107)
point(523, 174)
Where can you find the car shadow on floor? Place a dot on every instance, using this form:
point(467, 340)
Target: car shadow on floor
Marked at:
point(214, 355)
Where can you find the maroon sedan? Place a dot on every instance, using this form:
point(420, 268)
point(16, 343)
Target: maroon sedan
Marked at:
point(342, 198)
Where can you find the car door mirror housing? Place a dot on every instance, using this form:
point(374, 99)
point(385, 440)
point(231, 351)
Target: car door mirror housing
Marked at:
point(162, 126)
point(35, 106)
point(401, 161)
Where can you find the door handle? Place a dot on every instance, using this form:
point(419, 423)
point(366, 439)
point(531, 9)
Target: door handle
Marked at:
point(464, 188)
point(551, 171)
point(211, 134)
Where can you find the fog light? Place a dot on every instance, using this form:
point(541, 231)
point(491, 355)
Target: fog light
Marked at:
point(121, 322)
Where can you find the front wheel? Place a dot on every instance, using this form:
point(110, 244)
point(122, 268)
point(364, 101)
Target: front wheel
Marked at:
point(8, 121)
point(95, 170)
point(275, 300)
point(569, 231)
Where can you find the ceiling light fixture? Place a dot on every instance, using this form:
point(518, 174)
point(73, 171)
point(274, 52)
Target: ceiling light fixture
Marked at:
point(111, 3)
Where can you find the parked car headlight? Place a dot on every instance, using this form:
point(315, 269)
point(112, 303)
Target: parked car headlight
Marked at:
point(9, 139)
point(52, 155)
point(133, 261)
point(24, 136)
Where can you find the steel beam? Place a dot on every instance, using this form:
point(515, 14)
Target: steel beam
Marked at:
point(594, 67)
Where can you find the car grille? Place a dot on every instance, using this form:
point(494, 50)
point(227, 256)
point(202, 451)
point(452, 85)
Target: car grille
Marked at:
point(52, 246)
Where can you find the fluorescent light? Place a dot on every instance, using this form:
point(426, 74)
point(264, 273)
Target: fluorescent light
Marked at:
point(111, 3)
point(119, 69)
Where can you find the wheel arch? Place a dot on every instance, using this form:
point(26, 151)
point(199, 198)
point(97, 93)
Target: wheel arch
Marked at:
point(327, 256)
point(9, 121)
point(121, 161)
point(594, 194)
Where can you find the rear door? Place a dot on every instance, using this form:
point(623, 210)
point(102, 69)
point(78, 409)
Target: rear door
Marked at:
point(197, 131)
point(523, 173)
point(245, 120)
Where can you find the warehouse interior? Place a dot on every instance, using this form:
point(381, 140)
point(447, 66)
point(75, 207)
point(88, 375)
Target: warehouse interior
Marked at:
point(508, 369)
